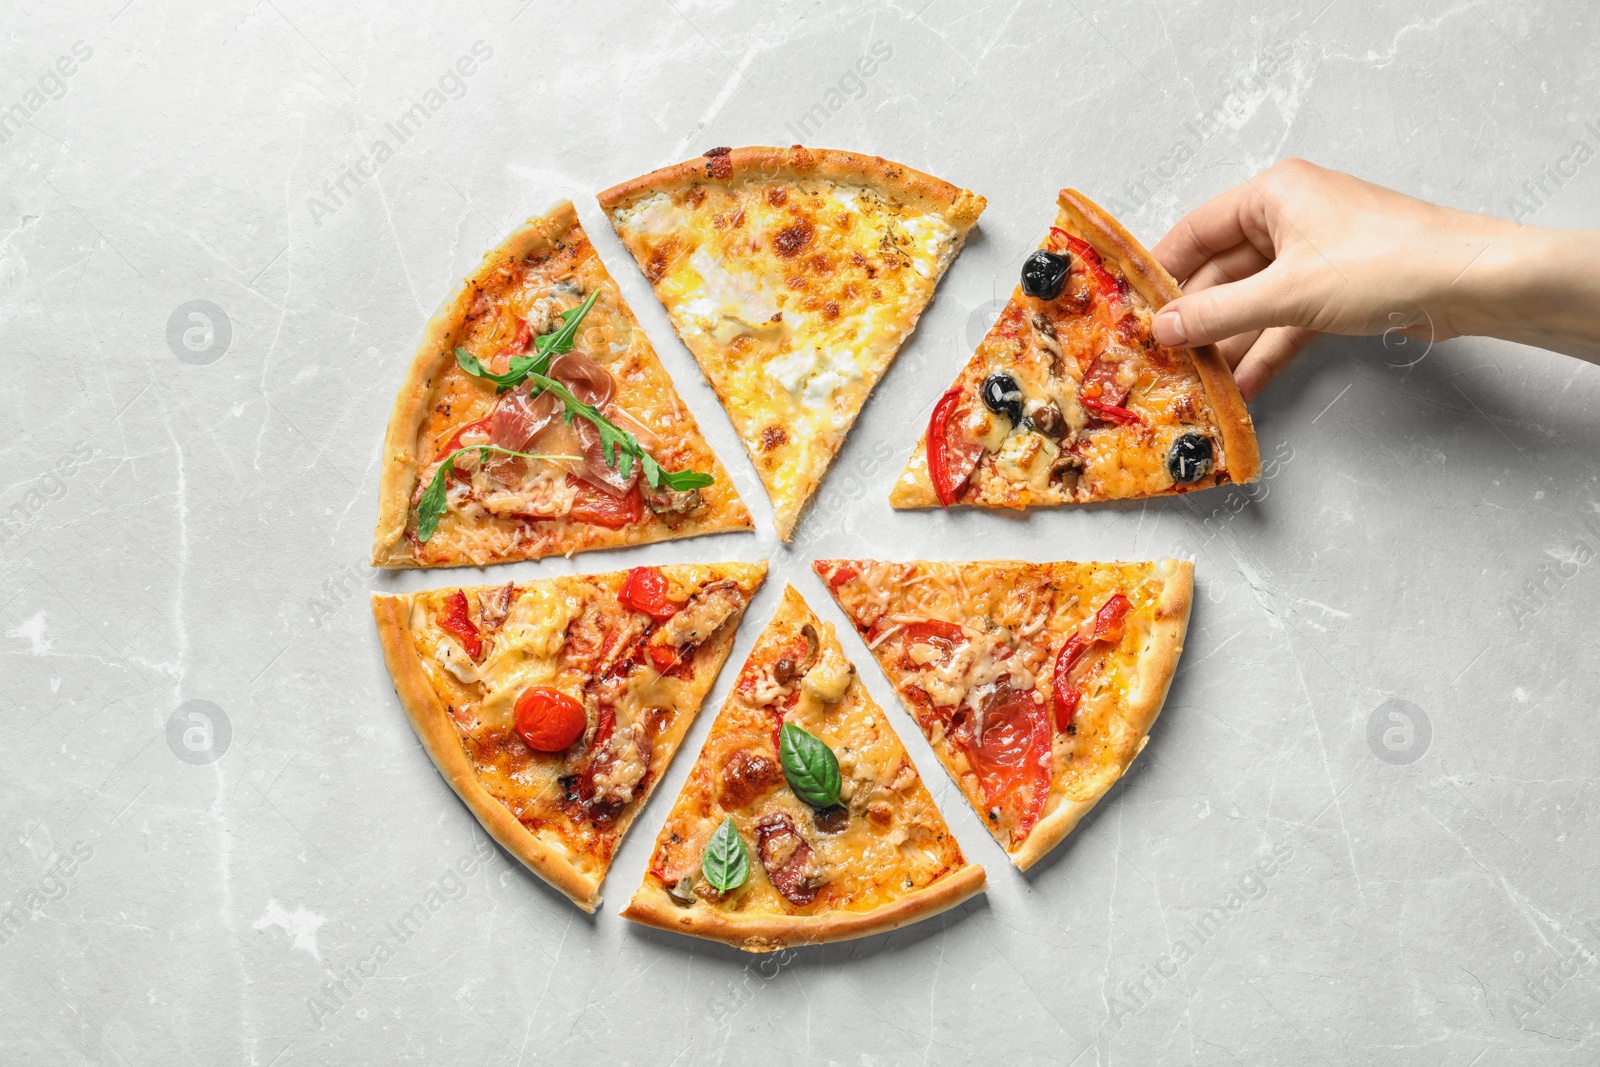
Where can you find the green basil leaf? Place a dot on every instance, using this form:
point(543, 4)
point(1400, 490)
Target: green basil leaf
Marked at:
point(810, 766)
point(726, 862)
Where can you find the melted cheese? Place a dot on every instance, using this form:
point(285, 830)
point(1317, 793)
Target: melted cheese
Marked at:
point(794, 298)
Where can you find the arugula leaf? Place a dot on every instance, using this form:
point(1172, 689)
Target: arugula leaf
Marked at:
point(725, 863)
point(620, 446)
point(431, 508)
point(810, 766)
point(546, 347)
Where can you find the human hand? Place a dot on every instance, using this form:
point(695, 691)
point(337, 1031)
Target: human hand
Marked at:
point(1299, 250)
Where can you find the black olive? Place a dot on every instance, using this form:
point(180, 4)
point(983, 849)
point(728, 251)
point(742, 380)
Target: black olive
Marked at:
point(1044, 273)
point(1190, 458)
point(1003, 396)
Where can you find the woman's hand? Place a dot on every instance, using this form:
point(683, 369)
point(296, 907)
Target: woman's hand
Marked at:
point(1299, 250)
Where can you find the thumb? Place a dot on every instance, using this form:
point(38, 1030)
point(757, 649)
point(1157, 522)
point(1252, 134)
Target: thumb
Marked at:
point(1258, 302)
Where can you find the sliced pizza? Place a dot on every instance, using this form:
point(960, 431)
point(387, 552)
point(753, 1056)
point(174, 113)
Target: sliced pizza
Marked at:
point(1070, 400)
point(553, 707)
point(536, 420)
point(793, 275)
point(803, 820)
point(1035, 683)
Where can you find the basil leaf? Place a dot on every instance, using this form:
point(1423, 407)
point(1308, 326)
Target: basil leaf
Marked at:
point(546, 347)
point(434, 502)
point(725, 863)
point(810, 766)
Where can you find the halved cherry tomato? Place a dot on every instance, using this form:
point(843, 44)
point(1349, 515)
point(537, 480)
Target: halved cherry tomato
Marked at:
point(1011, 758)
point(950, 462)
point(521, 338)
point(591, 505)
point(1110, 285)
point(456, 620)
point(1066, 696)
point(549, 720)
point(646, 590)
point(1108, 621)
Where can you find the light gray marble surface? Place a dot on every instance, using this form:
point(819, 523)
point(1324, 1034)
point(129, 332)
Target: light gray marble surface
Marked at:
point(1391, 678)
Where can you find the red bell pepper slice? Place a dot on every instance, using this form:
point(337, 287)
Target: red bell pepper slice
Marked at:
point(456, 620)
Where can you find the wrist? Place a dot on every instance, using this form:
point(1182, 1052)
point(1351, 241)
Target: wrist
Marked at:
point(1531, 285)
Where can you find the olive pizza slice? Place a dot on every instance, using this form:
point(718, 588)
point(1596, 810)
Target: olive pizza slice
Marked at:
point(1069, 399)
point(553, 707)
point(803, 820)
point(1036, 684)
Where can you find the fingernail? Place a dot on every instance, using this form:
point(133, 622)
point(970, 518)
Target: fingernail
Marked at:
point(1168, 328)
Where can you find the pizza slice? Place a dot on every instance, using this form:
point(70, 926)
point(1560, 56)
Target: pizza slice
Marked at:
point(793, 275)
point(803, 820)
point(536, 420)
point(1070, 400)
point(1035, 683)
point(553, 707)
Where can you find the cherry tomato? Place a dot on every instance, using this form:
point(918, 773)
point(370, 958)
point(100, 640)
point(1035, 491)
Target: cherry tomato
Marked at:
point(646, 590)
point(548, 719)
point(457, 621)
point(1108, 621)
point(600, 508)
point(950, 457)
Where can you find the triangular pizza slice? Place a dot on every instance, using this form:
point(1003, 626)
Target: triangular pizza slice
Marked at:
point(1035, 683)
point(1070, 400)
point(793, 275)
point(803, 820)
point(536, 420)
point(553, 707)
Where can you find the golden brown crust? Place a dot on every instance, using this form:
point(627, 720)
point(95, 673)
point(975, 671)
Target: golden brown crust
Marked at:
point(432, 724)
point(1151, 279)
point(961, 207)
point(400, 463)
point(767, 933)
point(1152, 678)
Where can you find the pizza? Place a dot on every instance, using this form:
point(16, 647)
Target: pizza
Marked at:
point(803, 820)
point(1070, 400)
point(793, 275)
point(1035, 683)
point(553, 707)
point(537, 420)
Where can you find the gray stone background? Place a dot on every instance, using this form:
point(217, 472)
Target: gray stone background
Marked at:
point(1364, 830)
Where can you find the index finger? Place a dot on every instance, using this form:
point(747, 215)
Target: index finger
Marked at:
point(1209, 230)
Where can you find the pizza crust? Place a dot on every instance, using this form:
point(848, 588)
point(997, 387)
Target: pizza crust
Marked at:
point(768, 933)
point(1152, 678)
point(436, 354)
point(431, 721)
point(914, 488)
point(957, 206)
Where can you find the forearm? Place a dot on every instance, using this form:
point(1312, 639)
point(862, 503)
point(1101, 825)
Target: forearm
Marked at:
point(1534, 286)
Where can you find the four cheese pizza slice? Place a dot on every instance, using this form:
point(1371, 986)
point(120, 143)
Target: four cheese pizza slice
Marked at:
point(1035, 683)
point(1070, 400)
point(536, 420)
point(554, 707)
point(803, 820)
point(793, 275)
